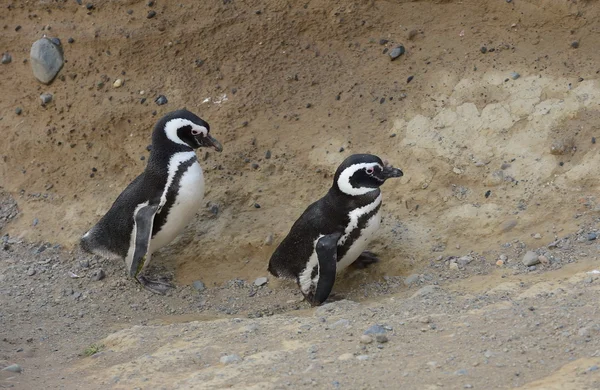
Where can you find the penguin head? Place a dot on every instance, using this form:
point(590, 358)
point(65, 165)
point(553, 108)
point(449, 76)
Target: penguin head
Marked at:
point(185, 128)
point(362, 173)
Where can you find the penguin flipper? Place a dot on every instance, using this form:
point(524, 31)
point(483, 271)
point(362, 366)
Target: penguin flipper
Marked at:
point(327, 255)
point(144, 221)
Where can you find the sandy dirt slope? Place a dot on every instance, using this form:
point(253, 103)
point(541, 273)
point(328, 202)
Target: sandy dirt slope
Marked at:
point(494, 163)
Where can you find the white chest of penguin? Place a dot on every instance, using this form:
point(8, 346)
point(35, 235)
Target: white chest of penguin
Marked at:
point(190, 193)
point(366, 234)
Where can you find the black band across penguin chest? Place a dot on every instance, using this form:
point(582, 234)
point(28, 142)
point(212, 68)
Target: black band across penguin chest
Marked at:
point(356, 230)
point(171, 196)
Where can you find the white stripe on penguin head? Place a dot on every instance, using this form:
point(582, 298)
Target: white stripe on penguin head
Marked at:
point(344, 184)
point(173, 125)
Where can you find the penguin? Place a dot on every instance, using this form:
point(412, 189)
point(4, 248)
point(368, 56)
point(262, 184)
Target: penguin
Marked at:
point(334, 231)
point(158, 204)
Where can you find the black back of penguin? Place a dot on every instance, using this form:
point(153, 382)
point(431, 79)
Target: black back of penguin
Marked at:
point(112, 233)
point(328, 215)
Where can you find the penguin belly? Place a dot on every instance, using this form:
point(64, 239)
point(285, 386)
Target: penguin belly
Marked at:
point(187, 202)
point(361, 242)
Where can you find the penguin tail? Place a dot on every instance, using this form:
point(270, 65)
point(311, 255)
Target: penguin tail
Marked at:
point(86, 242)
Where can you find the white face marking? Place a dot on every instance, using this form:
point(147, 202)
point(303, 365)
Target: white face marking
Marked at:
point(354, 216)
point(344, 179)
point(129, 258)
point(173, 125)
point(174, 163)
point(187, 202)
point(305, 277)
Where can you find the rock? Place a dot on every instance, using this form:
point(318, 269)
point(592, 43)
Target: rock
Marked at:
point(375, 329)
point(71, 40)
point(425, 320)
point(117, 83)
point(592, 236)
point(46, 98)
point(383, 42)
point(269, 239)
point(453, 267)
point(411, 279)
point(575, 44)
point(543, 259)
point(495, 178)
point(464, 260)
point(483, 49)
point(562, 146)
point(268, 154)
point(229, 359)
point(500, 263)
point(13, 368)
point(260, 281)
point(381, 338)
point(161, 99)
point(363, 357)
point(530, 258)
point(198, 285)
point(503, 257)
point(98, 275)
point(6, 58)
point(345, 356)
point(507, 226)
point(46, 59)
point(18, 110)
point(514, 75)
point(461, 372)
point(593, 368)
point(537, 236)
point(366, 339)
point(30, 271)
point(397, 52)
point(151, 14)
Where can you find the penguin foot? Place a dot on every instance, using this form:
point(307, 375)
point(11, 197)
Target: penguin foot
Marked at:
point(365, 259)
point(156, 286)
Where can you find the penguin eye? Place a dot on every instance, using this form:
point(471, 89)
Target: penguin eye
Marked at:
point(369, 170)
point(195, 131)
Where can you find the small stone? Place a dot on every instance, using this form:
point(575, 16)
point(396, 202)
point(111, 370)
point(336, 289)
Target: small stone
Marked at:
point(254, 166)
point(483, 49)
point(397, 52)
point(409, 79)
point(340, 323)
point(467, 386)
point(381, 338)
point(89, 6)
point(35, 221)
point(18, 28)
point(71, 40)
point(229, 359)
point(256, 206)
point(530, 258)
point(6, 58)
point(198, 285)
point(366, 339)
point(562, 146)
point(593, 140)
point(500, 263)
point(151, 14)
point(514, 75)
point(592, 236)
point(383, 41)
point(593, 368)
point(260, 281)
point(463, 261)
point(503, 257)
point(46, 98)
point(543, 259)
point(460, 372)
point(425, 320)
point(345, 356)
point(575, 44)
point(375, 329)
point(268, 154)
point(98, 275)
point(13, 368)
point(18, 110)
point(161, 99)
point(117, 83)
point(537, 236)
point(46, 60)
point(363, 357)
point(269, 239)
point(453, 266)
point(411, 279)
point(30, 271)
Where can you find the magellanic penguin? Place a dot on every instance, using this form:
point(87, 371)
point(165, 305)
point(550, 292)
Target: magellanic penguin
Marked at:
point(159, 203)
point(333, 232)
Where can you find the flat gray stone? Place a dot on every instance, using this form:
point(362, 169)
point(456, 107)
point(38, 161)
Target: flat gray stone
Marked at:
point(46, 60)
point(229, 359)
point(375, 329)
point(13, 368)
point(530, 258)
point(198, 285)
point(260, 281)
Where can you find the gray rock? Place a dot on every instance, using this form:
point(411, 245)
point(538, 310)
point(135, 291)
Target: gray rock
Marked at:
point(6, 58)
point(593, 368)
point(366, 339)
point(98, 275)
point(13, 368)
point(381, 338)
point(363, 357)
point(530, 258)
point(30, 271)
point(461, 372)
point(161, 99)
point(18, 110)
point(514, 75)
point(464, 260)
point(397, 52)
point(260, 281)
point(411, 279)
point(198, 285)
point(229, 359)
point(269, 239)
point(375, 329)
point(46, 59)
point(592, 236)
point(46, 98)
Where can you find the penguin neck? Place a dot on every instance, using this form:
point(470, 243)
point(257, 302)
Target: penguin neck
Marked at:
point(339, 199)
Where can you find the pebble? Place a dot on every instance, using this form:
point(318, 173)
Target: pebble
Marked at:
point(483, 49)
point(514, 75)
point(366, 339)
point(461, 372)
point(161, 99)
point(411, 279)
point(530, 258)
point(454, 267)
point(464, 260)
point(363, 357)
point(46, 98)
point(256, 206)
point(268, 154)
point(151, 14)
point(98, 275)
point(229, 359)
point(6, 58)
point(543, 259)
point(13, 368)
point(269, 239)
point(575, 44)
point(260, 281)
point(503, 257)
point(30, 271)
point(592, 236)
point(46, 60)
point(71, 40)
point(18, 110)
point(375, 329)
point(35, 221)
point(537, 236)
point(381, 338)
point(117, 83)
point(397, 52)
point(593, 368)
point(383, 42)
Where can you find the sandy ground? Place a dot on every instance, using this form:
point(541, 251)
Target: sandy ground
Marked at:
point(494, 164)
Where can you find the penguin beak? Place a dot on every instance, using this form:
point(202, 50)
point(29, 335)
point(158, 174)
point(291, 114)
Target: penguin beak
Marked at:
point(209, 141)
point(389, 171)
